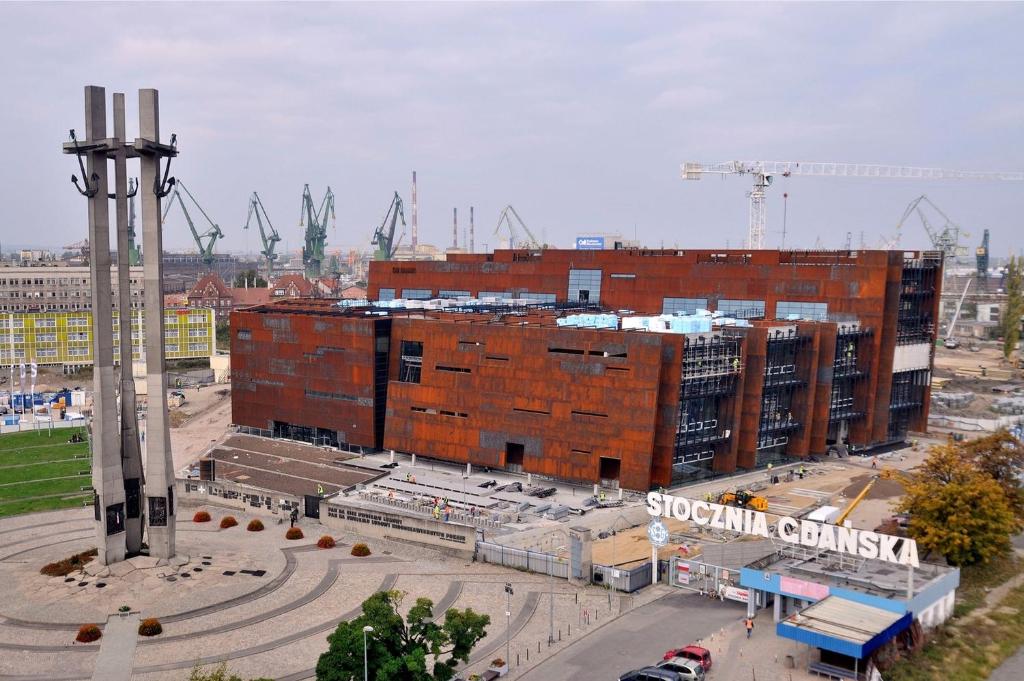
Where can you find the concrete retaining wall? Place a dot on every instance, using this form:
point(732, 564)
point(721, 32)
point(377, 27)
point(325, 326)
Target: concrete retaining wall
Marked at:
point(352, 516)
point(233, 495)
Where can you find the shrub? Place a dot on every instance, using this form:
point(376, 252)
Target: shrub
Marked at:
point(255, 525)
point(150, 627)
point(326, 542)
point(201, 517)
point(62, 568)
point(125, 608)
point(87, 633)
point(360, 550)
point(497, 662)
point(228, 521)
point(293, 533)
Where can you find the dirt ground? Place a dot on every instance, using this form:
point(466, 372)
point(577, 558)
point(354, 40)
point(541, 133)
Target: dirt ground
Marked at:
point(206, 415)
point(950, 363)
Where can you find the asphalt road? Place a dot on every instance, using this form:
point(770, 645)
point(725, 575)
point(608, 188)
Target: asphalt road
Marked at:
point(639, 638)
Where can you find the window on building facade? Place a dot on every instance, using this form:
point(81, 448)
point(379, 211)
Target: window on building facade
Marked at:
point(742, 309)
point(683, 305)
point(417, 293)
point(792, 310)
point(585, 286)
point(411, 364)
point(449, 293)
point(386, 294)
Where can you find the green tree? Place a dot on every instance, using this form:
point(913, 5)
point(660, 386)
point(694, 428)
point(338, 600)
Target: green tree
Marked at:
point(1002, 457)
point(218, 673)
point(956, 509)
point(397, 650)
point(1014, 286)
point(251, 276)
point(223, 332)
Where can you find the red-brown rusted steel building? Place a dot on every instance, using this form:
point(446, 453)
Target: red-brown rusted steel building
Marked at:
point(837, 353)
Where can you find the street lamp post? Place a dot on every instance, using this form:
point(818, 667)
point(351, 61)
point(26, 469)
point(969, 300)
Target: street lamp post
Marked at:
point(366, 669)
point(551, 590)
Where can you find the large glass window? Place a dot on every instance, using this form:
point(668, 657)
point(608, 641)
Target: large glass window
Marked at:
point(792, 310)
point(683, 305)
point(585, 286)
point(742, 309)
point(417, 293)
point(386, 294)
point(449, 293)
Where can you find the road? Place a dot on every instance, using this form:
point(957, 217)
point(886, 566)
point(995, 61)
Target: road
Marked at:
point(639, 638)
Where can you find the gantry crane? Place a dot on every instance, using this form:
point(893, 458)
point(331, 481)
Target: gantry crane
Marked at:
point(384, 236)
point(946, 239)
point(210, 235)
point(513, 236)
point(134, 253)
point(315, 222)
point(269, 241)
point(765, 171)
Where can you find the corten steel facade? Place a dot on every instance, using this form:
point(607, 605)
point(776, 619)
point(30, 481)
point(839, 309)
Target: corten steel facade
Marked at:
point(308, 372)
point(633, 408)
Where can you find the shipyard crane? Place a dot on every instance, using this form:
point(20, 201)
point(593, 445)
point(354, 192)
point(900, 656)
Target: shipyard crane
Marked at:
point(210, 235)
point(384, 236)
point(946, 239)
point(764, 172)
point(981, 257)
point(507, 214)
point(134, 253)
point(257, 210)
point(315, 222)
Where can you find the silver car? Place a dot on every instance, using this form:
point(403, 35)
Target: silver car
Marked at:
point(690, 670)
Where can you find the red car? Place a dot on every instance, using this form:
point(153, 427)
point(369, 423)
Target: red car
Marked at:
point(695, 653)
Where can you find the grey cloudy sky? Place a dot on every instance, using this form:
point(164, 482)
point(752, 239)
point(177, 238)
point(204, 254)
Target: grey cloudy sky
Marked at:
point(577, 114)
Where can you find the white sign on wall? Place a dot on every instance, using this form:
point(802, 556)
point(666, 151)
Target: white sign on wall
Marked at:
point(822, 536)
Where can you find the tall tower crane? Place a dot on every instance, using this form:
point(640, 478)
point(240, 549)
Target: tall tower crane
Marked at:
point(384, 236)
point(764, 172)
point(210, 235)
point(315, 222)
point(514, 241)
point(257, 210)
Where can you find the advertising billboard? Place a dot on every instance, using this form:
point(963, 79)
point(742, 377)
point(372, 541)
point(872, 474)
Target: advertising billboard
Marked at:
point(589, 243)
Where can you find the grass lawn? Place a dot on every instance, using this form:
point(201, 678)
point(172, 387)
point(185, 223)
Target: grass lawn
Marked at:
point(50, 504)
point(43, 471)
point(974, 648)
point(37, 488)
point(30, 447)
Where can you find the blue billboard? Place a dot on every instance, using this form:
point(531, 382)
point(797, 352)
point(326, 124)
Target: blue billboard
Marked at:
point(589, 243)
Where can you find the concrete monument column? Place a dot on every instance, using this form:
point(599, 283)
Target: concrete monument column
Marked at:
point(107, 473)
point(160, 498)
point(131, 455)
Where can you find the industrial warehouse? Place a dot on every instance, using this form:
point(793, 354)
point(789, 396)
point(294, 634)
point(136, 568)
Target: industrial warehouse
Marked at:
point(630, 368)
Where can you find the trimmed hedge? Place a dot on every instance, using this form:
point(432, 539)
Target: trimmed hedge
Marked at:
point(326, 542)
point(87, 633)
point(255, 525)
point(293, 533)
point(150, 627)
point(360, 550)
point(228, 521)
point(201, 517)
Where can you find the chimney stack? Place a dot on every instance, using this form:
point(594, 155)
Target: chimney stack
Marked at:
point(471, 248)
point(455, 227)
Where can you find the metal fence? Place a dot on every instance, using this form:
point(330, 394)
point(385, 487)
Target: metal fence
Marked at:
point(522, 559)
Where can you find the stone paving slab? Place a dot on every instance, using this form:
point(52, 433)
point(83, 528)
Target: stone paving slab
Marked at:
point(117, 649)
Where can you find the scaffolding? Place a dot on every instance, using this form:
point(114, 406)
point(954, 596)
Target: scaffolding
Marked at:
point(846, 373)
point(918, 287)
point(782, 382)
point(710, 365)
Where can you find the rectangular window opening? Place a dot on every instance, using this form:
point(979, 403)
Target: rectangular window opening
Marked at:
point(589, 413)
point(496, 358)
point(566, 351)
point(522, 410)
point(451, 369)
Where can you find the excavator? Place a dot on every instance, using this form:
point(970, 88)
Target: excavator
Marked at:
point(743, 499)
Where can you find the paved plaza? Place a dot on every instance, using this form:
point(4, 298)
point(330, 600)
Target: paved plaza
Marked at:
point(262, 604)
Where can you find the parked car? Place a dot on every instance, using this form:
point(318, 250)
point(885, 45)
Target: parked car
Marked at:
point(691, 652)
point(690, 670)
point(650, 674)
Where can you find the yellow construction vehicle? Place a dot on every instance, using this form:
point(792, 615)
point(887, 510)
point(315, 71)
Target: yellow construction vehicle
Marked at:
point(743, 499)
point(856, 500)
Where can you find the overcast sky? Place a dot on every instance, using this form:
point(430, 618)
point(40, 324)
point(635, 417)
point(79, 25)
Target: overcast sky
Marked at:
point(579, 115)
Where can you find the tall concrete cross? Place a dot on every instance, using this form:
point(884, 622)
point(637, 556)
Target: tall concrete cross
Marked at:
point(131, 456)
point(161, 504)
point(107, 470)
